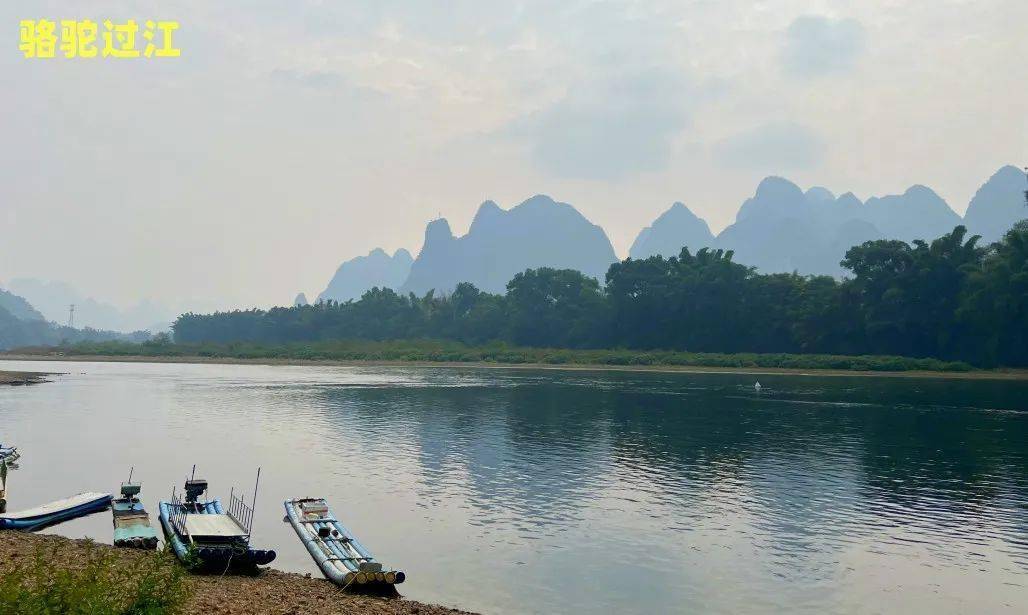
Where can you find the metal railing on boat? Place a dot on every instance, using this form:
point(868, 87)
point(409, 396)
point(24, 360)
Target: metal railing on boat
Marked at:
point(240, 512)
point(177, 514)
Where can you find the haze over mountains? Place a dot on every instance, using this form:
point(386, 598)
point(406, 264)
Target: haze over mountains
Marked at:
point(780, 228)
point(21, 324)
point(52, 299)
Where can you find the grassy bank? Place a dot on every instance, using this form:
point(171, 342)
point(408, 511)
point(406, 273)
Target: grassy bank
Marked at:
point(434, 351)
point(94, 583)
point(51, 574)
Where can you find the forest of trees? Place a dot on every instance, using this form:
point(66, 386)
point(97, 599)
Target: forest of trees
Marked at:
point(949, 298)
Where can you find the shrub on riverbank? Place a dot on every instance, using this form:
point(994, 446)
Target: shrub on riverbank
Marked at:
point(438, 351)
point(102, 585)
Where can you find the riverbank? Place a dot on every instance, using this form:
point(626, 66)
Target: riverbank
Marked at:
point(995, 374)
point(449, 351)
point(272, 591)
point(22, 378)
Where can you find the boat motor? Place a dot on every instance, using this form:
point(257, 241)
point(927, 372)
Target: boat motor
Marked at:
point(130, 490)
point(195, 487)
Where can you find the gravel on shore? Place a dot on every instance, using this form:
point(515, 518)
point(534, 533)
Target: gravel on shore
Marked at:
point(19, 378)
point(272, 591)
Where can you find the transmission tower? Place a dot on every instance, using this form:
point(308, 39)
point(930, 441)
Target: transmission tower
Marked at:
point(71, 316)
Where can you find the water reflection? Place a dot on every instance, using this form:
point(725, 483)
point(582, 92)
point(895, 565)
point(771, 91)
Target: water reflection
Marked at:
point(802, 476)
point(525, 491)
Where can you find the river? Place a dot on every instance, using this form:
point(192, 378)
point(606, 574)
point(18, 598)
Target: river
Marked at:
point(547, 491)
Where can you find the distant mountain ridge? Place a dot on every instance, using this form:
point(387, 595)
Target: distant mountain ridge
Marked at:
point(780, 228)
point(359, 274)
point(918, 213)
point(539, 232)
point(52, 299)
point(676, 227)
point(21, 324)
point(17, 307)
point(998, 204)
point(783, 229)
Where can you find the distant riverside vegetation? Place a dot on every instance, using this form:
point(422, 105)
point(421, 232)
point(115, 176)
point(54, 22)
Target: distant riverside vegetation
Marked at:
point(22, 325)
point(950, 299)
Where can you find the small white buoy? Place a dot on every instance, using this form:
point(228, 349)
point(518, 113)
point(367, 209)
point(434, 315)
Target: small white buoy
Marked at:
point(757, 387)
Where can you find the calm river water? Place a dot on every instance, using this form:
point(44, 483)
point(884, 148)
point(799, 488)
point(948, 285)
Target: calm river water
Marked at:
point(523, 491)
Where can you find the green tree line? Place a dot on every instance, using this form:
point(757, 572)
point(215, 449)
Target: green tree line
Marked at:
point(950, 299)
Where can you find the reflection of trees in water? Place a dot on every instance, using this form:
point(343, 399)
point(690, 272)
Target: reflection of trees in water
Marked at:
point(960, 455)
point(807, 478)
point(954, 463)
point(801, 463)
point(525, 453)
point(734, 463)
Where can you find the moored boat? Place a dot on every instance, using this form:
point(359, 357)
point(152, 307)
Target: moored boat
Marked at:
point(207, 538)
point(9, 453)
point(3, 485)
point(131, 521)
point(55, 512)
point(337, 552)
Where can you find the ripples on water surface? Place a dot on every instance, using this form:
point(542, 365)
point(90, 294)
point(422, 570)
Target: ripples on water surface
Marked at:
point(548, 491)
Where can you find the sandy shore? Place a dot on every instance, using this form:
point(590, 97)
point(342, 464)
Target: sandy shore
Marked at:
point(20, 378)
point(272, 591)
point(993, 374)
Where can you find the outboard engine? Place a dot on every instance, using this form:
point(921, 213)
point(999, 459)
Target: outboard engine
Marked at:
point(195, 487)
point(130, 490)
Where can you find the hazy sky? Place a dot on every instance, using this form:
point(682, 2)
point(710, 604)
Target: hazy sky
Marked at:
point(293, 135)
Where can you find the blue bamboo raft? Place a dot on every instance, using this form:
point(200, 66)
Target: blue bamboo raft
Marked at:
point(207, 538)
point(337, 552)
point(55, 512)
point(131, 521)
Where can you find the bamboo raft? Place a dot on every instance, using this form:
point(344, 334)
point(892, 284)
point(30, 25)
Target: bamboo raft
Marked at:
point(131, 521)
point(337, 552)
